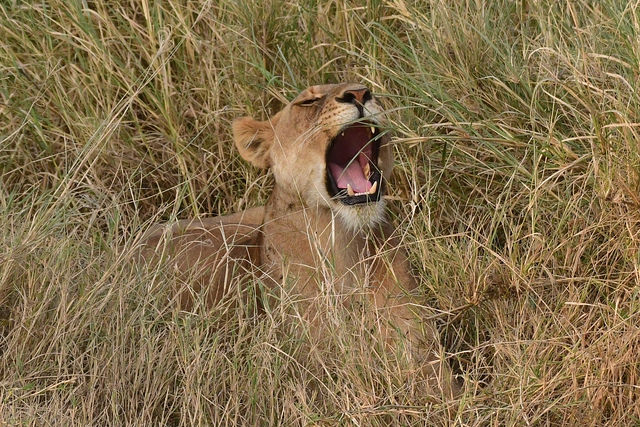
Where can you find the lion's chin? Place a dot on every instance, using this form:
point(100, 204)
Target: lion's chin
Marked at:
point(361, 217)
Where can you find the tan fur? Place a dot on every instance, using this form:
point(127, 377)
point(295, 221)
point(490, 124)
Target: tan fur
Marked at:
point(206, 253)
point(304, 243)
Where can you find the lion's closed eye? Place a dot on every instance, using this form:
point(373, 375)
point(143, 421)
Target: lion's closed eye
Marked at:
point(309, 102)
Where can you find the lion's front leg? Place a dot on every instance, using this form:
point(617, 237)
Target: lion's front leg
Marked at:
point(406, 333)
point(405, 329)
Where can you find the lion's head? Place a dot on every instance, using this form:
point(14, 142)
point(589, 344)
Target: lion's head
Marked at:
point(327, 148)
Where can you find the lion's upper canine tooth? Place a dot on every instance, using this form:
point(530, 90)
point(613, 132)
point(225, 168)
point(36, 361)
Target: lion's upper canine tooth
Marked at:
point(373, 188)
point(341, 133)
point(367, 170)
point(350, 190)
point(373, 130)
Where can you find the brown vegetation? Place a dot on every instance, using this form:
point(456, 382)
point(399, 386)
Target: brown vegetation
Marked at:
point(517, 182)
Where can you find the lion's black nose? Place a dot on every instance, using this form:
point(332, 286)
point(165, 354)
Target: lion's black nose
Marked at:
point(355, 96)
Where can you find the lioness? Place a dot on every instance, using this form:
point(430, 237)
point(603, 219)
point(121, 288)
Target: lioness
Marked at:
point(324, 225)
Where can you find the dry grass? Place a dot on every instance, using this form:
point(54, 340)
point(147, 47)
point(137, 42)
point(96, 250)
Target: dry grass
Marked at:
point(517, 180)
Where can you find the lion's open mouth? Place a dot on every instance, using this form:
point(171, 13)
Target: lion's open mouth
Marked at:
point(353, 176)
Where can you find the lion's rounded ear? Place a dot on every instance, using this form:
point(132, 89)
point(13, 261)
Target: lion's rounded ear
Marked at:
point(254, 140)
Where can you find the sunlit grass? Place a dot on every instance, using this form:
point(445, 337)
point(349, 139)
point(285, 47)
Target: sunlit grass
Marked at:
point(517, 185)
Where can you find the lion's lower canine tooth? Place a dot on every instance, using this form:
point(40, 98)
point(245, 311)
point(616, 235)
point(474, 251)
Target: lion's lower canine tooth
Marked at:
point(350, 190)
point(373, 188)
point(367, 171)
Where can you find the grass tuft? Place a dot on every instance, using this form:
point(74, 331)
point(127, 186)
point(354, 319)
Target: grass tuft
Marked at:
point(517, 187)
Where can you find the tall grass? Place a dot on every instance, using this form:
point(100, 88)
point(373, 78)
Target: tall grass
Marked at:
point(517, 183)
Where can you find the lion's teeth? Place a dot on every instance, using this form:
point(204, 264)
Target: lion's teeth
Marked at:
point(373, 188)
point(350, 190)
point(367, 171)
point(373, 130)
point(342, 134)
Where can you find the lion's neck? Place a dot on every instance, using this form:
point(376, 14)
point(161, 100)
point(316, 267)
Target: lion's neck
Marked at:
point(310, 238)
point(294, 228)
point(288, 211)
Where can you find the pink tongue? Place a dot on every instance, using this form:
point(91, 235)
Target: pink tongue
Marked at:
point(352, 175)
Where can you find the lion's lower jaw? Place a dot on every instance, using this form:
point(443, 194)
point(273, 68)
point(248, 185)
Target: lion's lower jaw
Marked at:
point(357, 218)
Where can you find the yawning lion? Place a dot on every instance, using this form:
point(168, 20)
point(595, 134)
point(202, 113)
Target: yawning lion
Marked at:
point(324, 226)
